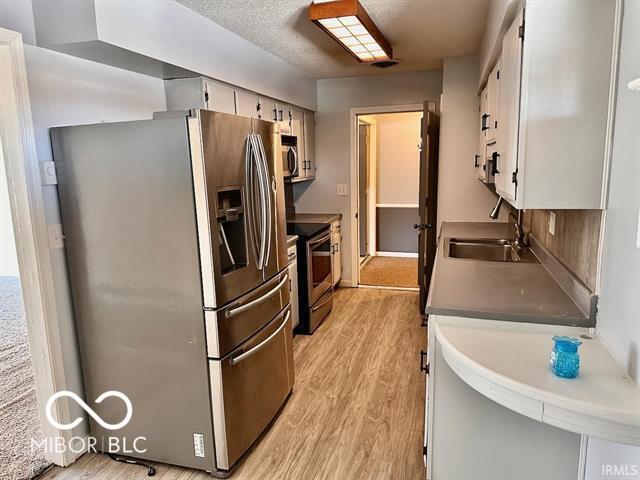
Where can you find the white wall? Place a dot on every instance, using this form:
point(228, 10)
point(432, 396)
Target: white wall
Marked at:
point(8, 255)
point(499, 17)
point(66, 90)
point(461, 196)
point(335, 99)
point(398, 157)
point(170, 32)
point(618, 320)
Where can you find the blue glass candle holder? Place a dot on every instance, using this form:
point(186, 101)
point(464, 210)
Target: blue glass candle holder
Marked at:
point(565, 359)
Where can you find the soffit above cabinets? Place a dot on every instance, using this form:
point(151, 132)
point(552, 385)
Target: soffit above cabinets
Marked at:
point(167, 40)
point(422, 32)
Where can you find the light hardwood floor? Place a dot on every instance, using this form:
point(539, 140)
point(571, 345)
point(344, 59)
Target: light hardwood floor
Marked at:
point(356, 411)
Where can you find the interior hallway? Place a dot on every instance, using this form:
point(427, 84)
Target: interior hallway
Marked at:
point(356, 411)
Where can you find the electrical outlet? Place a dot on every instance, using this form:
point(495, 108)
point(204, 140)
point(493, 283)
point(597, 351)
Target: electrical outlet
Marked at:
point(552, 222)
point(341, 189)
point(56, 237)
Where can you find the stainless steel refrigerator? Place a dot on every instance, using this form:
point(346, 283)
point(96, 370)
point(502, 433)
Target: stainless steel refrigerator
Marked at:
point(176, 245)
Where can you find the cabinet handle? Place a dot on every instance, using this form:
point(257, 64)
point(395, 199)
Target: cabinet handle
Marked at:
point(423, 367)
point(494, 166)
point(485, 124)
point(425, 321)
point(476, 161)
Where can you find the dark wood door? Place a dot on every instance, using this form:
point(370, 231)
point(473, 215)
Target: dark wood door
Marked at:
point(428, 201)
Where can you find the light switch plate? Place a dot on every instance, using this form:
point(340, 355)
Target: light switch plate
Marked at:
point(48, 171)
point(341, 189)
point(56, 237)
point(552, 222)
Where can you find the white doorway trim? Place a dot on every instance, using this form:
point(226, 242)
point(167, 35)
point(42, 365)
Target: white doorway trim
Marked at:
point(32, 243)
point(354, 187)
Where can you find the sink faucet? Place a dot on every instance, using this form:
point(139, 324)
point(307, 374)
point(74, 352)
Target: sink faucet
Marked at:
point(520, 241)
point(495, 211)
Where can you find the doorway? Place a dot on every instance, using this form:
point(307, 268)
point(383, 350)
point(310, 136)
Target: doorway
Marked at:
point(388, 190)
point(19, 414)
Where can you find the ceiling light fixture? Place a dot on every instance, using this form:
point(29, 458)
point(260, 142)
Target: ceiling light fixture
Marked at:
point(347, 22)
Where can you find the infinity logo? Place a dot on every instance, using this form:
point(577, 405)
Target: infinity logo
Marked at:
point(89, 410)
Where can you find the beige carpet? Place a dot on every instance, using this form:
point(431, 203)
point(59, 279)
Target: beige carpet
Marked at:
point(19, 420)
point(390, 272)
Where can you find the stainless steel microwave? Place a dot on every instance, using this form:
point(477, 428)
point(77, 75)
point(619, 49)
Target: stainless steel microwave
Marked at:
point(290, 164)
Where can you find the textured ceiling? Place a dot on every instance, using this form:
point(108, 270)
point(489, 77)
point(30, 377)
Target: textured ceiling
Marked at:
point(421, 32)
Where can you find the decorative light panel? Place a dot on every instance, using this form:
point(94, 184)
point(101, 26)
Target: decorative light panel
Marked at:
point(347, 22)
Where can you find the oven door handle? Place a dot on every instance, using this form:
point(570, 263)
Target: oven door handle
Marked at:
point(243, 308)
point(262, 344)
point(318, 307)
point(324, 238)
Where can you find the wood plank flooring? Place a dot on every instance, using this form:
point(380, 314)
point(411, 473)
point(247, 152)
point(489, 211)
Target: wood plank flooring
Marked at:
point(356, 411)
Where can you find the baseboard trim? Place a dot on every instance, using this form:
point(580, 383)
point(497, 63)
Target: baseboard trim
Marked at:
point(397, 254)
point(384, 287)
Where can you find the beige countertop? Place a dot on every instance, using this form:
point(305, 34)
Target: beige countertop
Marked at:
point(524, 292)
point(314, 217)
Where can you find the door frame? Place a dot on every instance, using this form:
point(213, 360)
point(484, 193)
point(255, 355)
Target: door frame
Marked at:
point(353, 136)
point(32, 240)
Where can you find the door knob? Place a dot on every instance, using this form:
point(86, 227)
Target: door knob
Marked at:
point(421, 226)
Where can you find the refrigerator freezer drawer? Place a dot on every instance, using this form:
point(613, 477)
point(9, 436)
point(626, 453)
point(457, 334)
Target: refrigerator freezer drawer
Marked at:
point(249, 386)
point(228, 327)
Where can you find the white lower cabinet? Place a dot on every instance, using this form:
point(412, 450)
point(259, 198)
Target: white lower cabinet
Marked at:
point(336, 247)
point(467, 435)
point(293, 285)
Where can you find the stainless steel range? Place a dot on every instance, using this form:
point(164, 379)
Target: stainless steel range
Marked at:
point(176, 246)
point(315, 273)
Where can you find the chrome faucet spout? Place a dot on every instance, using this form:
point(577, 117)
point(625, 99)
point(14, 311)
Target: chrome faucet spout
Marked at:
point(495, 211)
point(520, 241)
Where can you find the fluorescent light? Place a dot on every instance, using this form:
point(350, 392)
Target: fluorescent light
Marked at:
point(364, 39)
point(330, 22)
point(349, 24)
point(358, 30)
point(349, 21)
point(358, 49)
point(350, 41)
point(340, 32)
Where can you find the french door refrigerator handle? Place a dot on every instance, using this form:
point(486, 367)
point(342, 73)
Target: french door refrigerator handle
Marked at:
point(257, 301)
point(267, 197)
point(262, 344)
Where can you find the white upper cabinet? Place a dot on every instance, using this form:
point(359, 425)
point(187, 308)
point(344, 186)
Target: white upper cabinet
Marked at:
point(555, 105)
point(309, 135)
point(493, 91)
point(505, 158)
point(219, 97)
point(247, 103)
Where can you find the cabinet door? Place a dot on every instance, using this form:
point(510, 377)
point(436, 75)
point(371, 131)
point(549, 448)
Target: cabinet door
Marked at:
point(247, 104)
point(267, 109)
point(509, 111)
point(283, 118)
point(309, 135)
point(493, 92)
point(295, 121)
point(293, 293)
point(336, 247)
point(484, 113)
point(219, 98)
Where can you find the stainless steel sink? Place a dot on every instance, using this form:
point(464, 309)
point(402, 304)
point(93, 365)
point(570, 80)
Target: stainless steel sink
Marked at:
point(487, 250)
